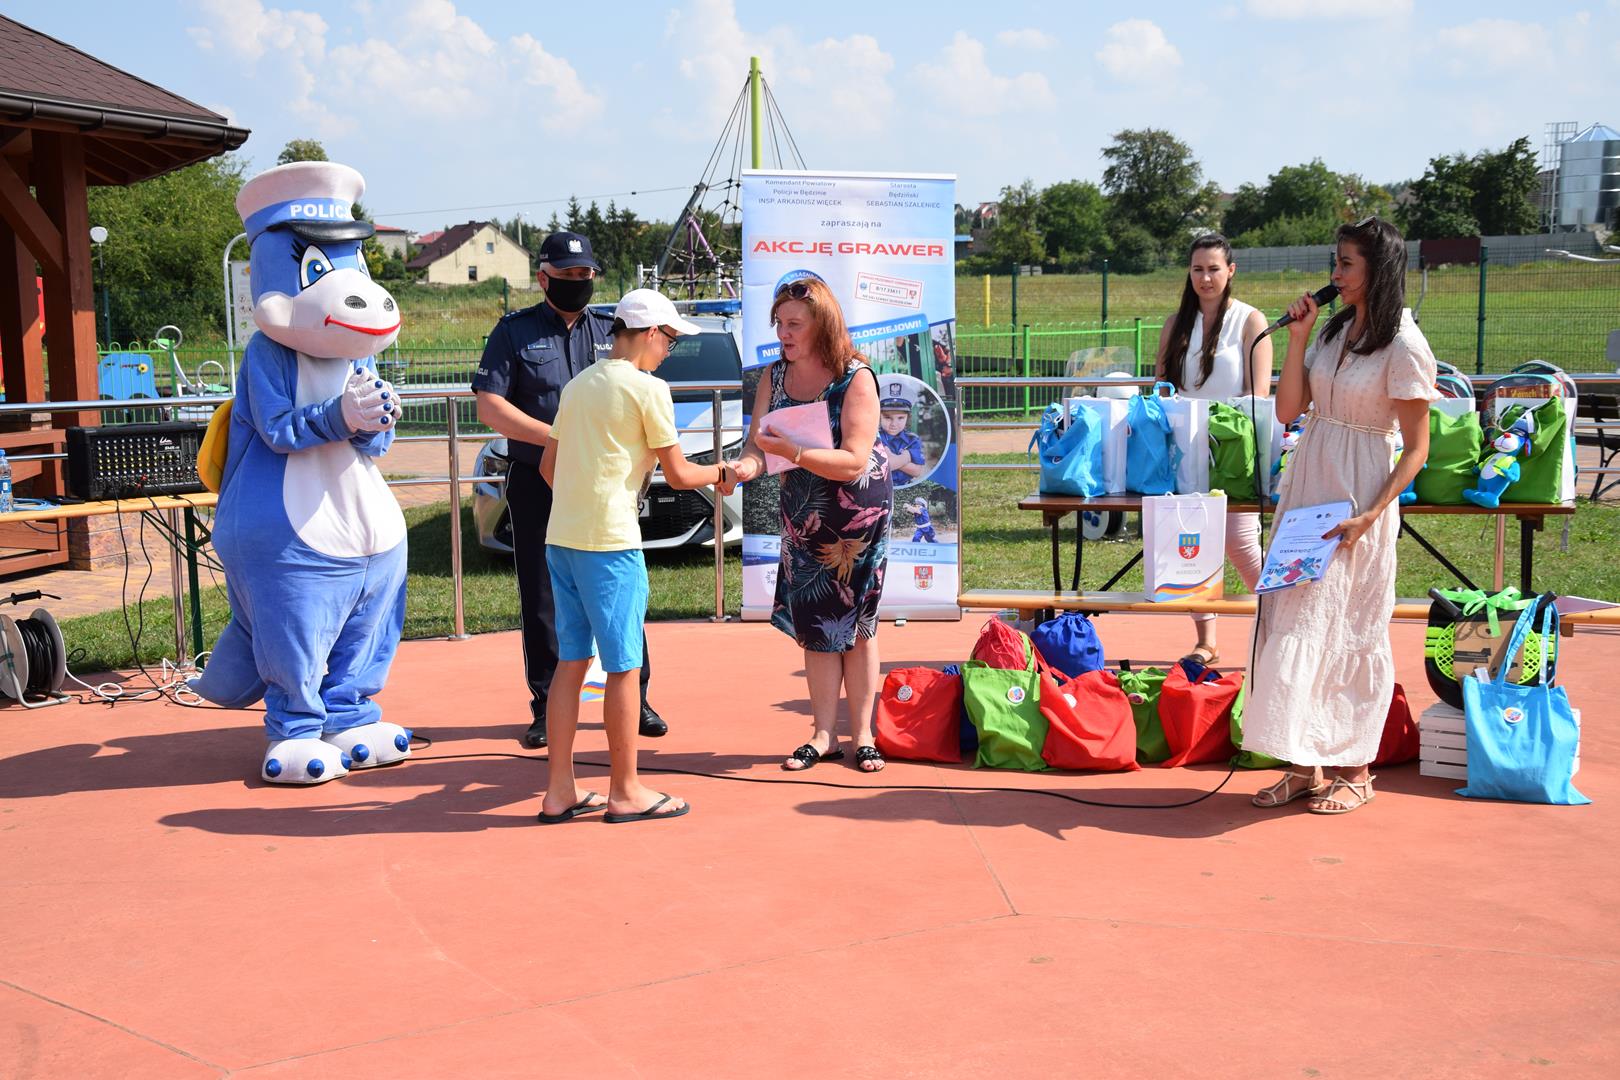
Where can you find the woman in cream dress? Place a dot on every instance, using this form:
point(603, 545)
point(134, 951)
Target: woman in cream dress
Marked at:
point(1322, 672)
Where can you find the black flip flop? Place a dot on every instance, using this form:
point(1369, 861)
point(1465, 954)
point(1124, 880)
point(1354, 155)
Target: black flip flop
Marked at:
point(579, 809)
point(810, 755)
point(649, 814)
point(867, 754)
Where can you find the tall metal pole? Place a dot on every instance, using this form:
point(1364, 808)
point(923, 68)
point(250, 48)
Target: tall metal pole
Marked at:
point(459, 612)
point(754, 106)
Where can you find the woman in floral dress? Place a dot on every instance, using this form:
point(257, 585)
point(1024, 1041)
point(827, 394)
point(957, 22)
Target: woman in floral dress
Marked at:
point(835, 516)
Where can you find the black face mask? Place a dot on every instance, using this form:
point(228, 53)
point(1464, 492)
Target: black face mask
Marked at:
point(569, 296)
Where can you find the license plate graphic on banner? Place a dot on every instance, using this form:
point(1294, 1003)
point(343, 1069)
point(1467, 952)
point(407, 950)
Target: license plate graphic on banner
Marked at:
point(1187, 545)
point(884, 246)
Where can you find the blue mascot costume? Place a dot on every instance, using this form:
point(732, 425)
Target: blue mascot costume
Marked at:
point(312, 540)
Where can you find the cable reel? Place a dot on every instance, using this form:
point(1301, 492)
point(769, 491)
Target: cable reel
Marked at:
point(33, 660)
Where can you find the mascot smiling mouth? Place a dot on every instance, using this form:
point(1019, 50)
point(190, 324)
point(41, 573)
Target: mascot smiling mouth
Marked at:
point(380, 331)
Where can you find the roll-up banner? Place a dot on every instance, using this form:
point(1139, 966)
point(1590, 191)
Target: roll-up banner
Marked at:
point(885, 245)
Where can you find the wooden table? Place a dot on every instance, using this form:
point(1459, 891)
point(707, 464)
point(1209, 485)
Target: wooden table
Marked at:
point(1531, 516)
point(180, 566)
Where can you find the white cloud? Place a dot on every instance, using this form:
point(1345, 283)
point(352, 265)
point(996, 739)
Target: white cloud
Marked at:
point(1502, 44)
point(835, 85)
point(1026, 39)
point(1137, 51)
point(963, 82)
point(1316, 9)
point(432, 62)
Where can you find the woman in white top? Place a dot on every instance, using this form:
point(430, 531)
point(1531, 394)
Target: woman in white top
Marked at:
point(1204, 350)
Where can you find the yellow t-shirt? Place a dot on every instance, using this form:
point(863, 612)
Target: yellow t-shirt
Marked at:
point(610, 419)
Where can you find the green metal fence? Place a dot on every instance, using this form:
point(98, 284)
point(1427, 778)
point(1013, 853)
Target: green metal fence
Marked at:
point(1088, 350)
point(1485, 319)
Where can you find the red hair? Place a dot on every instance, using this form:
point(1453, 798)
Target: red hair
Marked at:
point(829, 335)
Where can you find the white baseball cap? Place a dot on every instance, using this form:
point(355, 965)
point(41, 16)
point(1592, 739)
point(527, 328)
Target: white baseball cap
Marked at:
point(641, 308)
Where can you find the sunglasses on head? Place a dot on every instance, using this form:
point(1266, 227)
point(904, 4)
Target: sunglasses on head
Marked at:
point(1366, 221)
point(795, 290)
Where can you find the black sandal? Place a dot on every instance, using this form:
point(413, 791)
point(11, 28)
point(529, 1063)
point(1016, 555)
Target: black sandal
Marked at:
point(809, 755)
point(868, 755)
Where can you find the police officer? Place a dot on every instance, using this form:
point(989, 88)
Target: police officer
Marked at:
point(529, 356)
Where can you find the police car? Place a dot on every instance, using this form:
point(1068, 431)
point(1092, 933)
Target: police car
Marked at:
point(669, 518)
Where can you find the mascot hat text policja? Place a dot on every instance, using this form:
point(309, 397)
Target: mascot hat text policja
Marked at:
point(312, 540)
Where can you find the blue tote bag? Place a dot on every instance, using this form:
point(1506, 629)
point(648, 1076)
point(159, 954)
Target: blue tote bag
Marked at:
point(1522, 740)
point(1151, 456)
point(1071, 455)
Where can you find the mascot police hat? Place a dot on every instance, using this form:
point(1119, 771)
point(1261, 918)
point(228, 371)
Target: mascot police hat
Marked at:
point(315, 199)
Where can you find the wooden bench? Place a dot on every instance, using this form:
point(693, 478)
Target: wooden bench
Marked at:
point(1029, 602)
point(1054, 508)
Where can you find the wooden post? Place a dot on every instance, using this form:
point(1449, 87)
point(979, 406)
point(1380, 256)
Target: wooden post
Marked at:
point(70, 302)
point(20, 328)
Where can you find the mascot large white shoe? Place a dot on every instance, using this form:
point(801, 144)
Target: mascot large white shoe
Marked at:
point(311, 538)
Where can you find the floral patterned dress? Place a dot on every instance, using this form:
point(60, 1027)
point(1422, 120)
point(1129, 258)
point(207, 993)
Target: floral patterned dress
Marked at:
point(835, 538)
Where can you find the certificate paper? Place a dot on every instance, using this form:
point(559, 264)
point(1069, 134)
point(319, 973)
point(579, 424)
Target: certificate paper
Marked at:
point(1298, 553)
point(808, 426)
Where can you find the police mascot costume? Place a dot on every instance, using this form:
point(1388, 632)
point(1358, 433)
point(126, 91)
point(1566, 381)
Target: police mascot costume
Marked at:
point(312, 540)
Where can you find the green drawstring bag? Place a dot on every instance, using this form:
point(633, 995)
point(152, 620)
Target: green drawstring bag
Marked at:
point(1455, 444)
point(1142, 690)
point(1247, 759)
point(1231, 452)
point(1541, 475)
point(1004, 706)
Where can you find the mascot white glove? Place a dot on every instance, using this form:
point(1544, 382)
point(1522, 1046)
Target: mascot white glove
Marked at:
point(369, 403)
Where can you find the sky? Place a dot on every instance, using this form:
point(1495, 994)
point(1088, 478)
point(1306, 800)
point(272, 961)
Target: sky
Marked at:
point(466, 109)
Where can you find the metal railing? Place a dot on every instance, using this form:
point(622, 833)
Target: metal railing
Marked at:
point(449, 397)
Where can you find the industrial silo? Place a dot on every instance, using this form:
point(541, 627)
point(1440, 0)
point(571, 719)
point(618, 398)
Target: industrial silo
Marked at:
point(1589, 178)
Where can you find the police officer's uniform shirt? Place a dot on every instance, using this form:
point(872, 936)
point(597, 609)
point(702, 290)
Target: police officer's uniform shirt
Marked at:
point(904, 442)
point(531, 354)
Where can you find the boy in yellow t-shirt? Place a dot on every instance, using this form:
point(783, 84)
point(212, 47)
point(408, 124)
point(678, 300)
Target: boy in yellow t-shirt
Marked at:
point(613, 420)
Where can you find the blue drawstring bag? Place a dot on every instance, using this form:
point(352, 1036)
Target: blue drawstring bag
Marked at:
point(1151, 456)
point(1070, 454)
point(1069, 644)
point(1522, 740)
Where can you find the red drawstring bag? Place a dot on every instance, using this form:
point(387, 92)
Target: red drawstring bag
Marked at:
point(1089, 723)
point(1399, 743)
point(1000, 646)
point(1197, 716)
point(919, 716)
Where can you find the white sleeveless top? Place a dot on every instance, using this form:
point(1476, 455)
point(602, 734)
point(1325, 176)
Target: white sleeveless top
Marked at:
point(1226, 378)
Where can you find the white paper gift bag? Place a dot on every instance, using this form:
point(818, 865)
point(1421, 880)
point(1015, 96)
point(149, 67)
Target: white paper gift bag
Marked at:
point(1110, 413)
point(1184, 547)
point(1189, 426)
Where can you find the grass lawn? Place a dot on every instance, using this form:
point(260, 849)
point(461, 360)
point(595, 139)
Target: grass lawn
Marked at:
point(1005, 548)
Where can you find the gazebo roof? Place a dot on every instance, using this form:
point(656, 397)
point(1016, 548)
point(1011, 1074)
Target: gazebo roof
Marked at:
point(132, 129)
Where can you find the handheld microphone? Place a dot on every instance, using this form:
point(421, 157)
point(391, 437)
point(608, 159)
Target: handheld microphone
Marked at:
point(1323, 296)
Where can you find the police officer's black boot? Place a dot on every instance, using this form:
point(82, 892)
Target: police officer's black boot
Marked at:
point(535, 737)
point(652, 725)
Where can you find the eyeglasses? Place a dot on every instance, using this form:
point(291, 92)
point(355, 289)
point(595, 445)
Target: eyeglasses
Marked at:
point(795, 290)
point(670, 338)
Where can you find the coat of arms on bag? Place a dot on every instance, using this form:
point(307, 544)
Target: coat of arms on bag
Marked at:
point(923, 576)
point(1187, 545)
point(904, 693)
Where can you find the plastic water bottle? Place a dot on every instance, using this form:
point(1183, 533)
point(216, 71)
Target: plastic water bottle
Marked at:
point(6, 504)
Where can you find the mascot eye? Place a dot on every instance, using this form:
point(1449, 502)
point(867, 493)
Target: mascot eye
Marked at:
point(313, 265)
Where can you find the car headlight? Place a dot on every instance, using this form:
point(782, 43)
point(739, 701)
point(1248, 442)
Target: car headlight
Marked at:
point(491, 461)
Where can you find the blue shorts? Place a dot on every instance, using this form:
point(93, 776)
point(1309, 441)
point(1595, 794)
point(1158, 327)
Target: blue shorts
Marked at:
point(600, 595)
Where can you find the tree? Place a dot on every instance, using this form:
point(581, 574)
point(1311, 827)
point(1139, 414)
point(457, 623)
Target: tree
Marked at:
point(1072, 216)
point(1154, 183)
point(1247, 212)
point(1016, 239)
point(1441, 201)
point(576, 216)
point(165, 237)
point(1505, 185)
point(301, 150)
